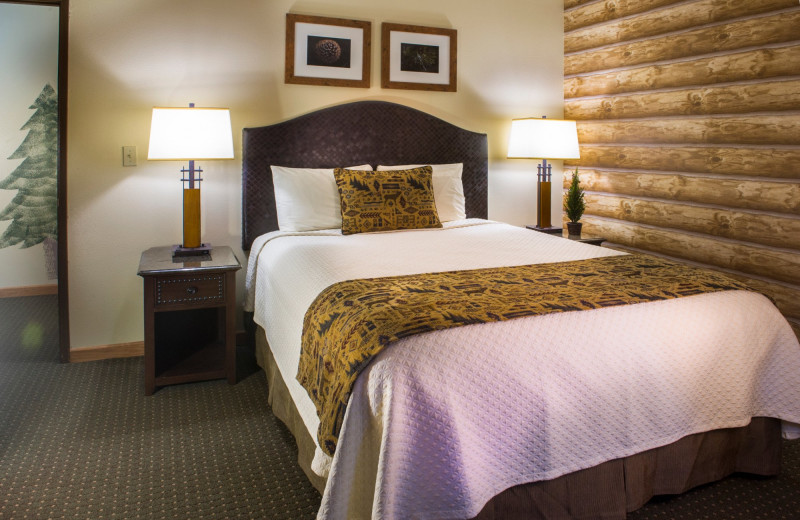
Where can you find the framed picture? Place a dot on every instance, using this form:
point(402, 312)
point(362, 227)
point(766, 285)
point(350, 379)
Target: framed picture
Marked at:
point(418, 58)
point(327, 51)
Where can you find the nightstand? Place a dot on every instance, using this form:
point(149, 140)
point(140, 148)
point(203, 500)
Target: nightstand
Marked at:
point(189, 317)
point(586, 239)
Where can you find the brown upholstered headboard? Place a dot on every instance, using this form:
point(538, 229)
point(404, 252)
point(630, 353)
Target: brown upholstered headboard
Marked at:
point(365, 132)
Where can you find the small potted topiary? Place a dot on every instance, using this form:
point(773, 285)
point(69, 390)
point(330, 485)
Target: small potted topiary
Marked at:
point(574, 205)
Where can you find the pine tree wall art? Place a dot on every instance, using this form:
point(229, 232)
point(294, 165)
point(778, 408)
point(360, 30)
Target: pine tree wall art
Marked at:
point(33, 210)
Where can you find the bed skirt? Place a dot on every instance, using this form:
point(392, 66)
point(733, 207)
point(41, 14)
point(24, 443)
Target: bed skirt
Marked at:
point(608, 490)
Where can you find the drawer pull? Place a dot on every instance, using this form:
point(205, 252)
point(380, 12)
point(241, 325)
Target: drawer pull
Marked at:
point(191, 290)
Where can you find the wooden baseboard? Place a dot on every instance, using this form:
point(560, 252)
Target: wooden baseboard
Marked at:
point(119, 350)
point(29, 290)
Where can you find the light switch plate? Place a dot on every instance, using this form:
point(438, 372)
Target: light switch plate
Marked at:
point(128, 156)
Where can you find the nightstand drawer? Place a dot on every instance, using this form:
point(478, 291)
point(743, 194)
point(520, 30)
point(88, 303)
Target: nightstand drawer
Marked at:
point(208, 288)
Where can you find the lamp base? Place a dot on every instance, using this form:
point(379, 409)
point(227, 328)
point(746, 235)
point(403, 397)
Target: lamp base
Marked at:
point(180, 251)
point(543, 205)
point(191, 216)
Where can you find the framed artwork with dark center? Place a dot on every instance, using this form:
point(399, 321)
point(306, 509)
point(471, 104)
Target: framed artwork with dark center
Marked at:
point(327, 51)
point(418, 58)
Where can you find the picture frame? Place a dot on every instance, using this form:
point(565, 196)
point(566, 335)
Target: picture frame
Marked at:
point(327, 51)
point(418, 58)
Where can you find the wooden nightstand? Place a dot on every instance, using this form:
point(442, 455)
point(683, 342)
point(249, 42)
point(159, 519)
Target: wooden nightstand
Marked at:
point(549, 230)
point(586, 239)
point(189, 317)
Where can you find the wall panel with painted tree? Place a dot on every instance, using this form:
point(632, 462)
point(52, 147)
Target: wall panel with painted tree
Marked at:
point(28, 146)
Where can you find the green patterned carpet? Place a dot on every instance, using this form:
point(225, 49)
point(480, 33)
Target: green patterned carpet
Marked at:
point(81, 441)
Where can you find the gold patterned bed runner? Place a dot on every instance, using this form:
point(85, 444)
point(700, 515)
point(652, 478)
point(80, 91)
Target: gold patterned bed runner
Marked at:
point(351, 322)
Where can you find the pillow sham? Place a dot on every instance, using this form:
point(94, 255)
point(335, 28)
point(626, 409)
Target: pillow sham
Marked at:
point(447, 189)
point(387, 200)
point(307, 198)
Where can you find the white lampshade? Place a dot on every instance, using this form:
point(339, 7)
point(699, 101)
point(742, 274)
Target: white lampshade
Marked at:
point(543, 139)
point(190, 133)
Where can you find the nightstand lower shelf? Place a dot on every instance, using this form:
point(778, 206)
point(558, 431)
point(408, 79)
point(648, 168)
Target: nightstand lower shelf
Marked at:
point(195, 367)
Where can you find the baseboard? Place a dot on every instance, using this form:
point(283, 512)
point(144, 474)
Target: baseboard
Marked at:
point(119, 350)
point(29, 290)
point(123, 350)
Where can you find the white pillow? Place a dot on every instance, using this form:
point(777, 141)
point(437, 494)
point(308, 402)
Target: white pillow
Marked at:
point(307, 198)
point(448, 191)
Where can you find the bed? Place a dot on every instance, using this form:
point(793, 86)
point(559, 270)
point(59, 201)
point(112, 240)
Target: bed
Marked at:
point(564, 415)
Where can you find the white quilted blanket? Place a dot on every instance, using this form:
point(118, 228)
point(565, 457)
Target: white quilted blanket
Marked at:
point(441, 422)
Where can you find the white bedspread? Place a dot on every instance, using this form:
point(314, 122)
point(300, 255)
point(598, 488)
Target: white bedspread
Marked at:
point(441, 422)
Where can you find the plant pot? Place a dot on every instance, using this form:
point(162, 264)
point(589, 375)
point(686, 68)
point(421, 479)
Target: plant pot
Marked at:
point(574, 228)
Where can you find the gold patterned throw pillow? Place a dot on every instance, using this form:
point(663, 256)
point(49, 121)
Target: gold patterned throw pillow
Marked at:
point(387, 200)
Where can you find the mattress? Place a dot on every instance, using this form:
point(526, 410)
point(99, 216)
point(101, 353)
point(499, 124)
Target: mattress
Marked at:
point(441, 422)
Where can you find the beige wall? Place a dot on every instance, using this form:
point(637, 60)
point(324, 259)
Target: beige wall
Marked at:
point(130, 55)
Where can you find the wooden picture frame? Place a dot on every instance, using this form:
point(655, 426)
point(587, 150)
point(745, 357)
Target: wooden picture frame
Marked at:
point(418, 58)
point(327, 51)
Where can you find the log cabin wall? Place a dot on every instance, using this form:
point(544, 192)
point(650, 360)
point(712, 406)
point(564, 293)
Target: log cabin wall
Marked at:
point(689, 122)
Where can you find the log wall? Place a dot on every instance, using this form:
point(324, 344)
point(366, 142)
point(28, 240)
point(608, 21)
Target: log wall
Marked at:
point(689, 122)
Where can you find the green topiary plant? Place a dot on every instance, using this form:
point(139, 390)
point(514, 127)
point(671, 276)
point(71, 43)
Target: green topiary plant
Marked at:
point(574, 205)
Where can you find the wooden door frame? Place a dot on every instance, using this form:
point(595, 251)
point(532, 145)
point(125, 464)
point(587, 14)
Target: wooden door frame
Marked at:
point(63, 281)
point(61, 174)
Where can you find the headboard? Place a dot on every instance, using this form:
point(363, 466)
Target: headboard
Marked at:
point(364, 132)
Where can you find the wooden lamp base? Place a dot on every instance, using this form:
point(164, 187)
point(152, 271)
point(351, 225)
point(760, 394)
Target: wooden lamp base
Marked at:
point(543, 199)
point(191, 226)
point(543, 210)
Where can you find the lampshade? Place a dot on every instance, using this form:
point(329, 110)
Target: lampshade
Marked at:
point(190, 133)
point(543, 139)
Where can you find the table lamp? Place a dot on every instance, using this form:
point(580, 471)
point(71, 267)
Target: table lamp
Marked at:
point(544, 139)
point(190, 133)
